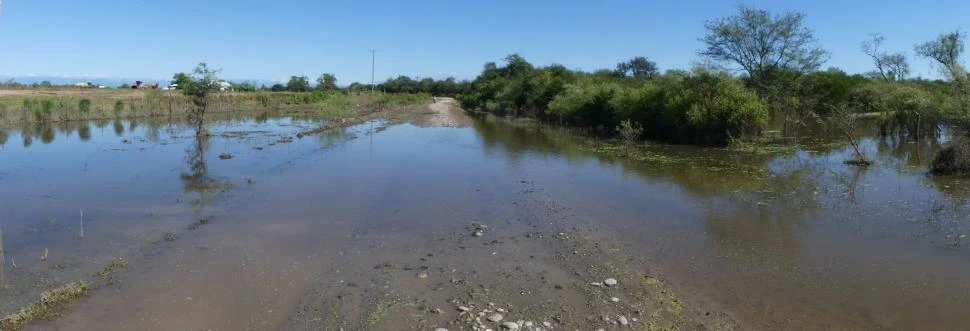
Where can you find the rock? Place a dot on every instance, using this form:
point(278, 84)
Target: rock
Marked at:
point(614, 299)
point(528, 324)
point(510, 326)
point(225, 156)
point(610, 282)
point(547, 324)
point(495, 318)
point(478, 233)
point(440, 329)
point(463, 308)
point(597, 284)
point(423, 275)
point(622, 320)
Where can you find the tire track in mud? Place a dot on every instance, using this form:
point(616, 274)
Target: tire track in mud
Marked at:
point(542, 266)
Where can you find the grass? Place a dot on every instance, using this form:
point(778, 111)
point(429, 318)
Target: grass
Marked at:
point(380, 311)
point(111, 268)
point(50, 305)
point(42, 106)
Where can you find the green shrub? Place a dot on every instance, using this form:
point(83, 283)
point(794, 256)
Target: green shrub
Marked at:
point(84, 106)
point(719, 108)
point(263, 100)
point(119, 107)
point(905, 108)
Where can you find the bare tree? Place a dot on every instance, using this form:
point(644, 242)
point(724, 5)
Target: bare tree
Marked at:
point(889, 67)
point(762, 45)
point(843, 120)
point(946, 51)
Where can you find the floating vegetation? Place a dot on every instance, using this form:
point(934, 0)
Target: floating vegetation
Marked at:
point(111, 268)
point(50, 305)
point(198, 224)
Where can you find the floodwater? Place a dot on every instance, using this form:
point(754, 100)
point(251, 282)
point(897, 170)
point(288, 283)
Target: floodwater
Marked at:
point(368, 227)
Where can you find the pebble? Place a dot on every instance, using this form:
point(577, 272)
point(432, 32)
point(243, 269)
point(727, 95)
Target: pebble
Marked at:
point(547, 324)
point(440, 329)
point(510, 326)
point(422, 275)
point(495, 317)
point(614, 299)
point(597, 284)
point(463, 308)
point(610, 281)
point(623, 320)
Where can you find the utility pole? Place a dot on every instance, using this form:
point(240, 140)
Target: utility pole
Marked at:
point(372, 56)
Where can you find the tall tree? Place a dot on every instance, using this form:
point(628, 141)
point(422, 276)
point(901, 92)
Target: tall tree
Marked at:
point(889, 67)
point(298, 84)
point(946, 51)
point(327, 82)
point(638, 67)
point(763, 45)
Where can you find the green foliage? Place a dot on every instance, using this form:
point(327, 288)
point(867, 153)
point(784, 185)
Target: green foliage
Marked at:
point(327, 82)
point(84, 106)
point(119, 107)
point(181, 79)
point(638, 67)
point(946, 51)
point(298, 84)
point(904, 108)
point(203, 82)
point(244, 87)
point(700, 107)
point(763, 45)
point(390, 101)
point(629, 131)
point(263, 100)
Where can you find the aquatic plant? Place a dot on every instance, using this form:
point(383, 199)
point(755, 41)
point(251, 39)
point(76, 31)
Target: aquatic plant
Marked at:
point(49, 305)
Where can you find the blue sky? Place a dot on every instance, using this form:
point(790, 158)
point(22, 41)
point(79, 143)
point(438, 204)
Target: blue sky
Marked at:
point(273, 39)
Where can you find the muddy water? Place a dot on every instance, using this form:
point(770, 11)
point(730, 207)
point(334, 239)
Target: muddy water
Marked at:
point(368, 228)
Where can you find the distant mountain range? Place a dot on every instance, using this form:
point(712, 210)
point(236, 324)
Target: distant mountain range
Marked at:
point(110, 82)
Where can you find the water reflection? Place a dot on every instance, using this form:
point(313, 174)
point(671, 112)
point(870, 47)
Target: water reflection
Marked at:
point(84, 132)
point(197, 179)
point(769, 194)
point(119, 127)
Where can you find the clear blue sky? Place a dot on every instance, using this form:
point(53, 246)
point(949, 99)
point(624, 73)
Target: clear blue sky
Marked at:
point(273, 39)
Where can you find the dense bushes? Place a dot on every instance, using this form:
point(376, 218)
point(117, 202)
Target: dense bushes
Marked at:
point(701, 107)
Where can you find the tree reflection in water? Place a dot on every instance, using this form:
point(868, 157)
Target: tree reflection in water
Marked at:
point(197, 178)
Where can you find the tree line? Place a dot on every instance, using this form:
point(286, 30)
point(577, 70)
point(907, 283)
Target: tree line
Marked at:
point(758, 68)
